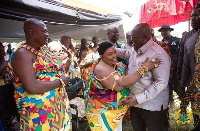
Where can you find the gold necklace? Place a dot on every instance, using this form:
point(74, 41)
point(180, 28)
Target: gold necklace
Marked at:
point(30, 48)
point(105, 78)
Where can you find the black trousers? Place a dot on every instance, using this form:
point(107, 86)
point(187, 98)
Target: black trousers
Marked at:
point(197, 123)
point(8, 108)
point(152, 120)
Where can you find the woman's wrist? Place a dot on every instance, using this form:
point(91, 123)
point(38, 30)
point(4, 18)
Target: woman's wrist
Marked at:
point(142, 70)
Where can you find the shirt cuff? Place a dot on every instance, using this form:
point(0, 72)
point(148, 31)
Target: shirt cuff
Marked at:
point(141, 98)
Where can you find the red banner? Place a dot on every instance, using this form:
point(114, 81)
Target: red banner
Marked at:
point(170, 12)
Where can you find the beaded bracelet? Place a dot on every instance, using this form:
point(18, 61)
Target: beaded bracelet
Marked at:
point(142, 70)
point(62, 82)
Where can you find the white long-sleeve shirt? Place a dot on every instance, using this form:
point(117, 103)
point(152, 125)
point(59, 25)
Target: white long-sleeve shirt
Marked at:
point(151, 91)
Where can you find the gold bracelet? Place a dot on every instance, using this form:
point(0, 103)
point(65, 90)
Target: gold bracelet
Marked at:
point(142, 70)
point(116, 77)
point(62, 82)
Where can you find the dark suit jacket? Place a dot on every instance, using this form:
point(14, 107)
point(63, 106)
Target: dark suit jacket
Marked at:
point(189, 60)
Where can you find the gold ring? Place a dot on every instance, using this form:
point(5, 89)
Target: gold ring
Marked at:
point(155, 65)
point(153, 60)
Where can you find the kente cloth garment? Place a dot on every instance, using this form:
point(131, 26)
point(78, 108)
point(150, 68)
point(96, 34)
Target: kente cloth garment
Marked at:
point(47, 111)
point(104, 111)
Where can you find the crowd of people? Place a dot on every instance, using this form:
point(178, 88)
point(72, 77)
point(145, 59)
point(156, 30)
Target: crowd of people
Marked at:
point(139, 78)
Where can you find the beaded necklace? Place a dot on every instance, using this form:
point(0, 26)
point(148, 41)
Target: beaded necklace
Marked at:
point(30, 48)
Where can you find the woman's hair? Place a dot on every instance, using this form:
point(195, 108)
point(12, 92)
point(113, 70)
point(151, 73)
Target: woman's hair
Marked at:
point(103, 47)
point(54, 45)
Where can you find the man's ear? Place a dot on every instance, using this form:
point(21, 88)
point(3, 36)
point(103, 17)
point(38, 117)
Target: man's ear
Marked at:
point(31, 32)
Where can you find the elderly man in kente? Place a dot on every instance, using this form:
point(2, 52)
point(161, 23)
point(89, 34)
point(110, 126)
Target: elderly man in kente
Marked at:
point(106, 88)
point(40, 80)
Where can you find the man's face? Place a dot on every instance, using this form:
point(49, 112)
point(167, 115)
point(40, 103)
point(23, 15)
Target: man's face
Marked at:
point(165, 33)
point(95, 41)
point(137, 39)
point(41, 34)
point(195, 19)
point(113, 35)
point(66, 42)
point(129, 40)
point(84, 42)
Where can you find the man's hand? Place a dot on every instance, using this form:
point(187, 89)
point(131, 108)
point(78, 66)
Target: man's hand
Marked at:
point(130, 100)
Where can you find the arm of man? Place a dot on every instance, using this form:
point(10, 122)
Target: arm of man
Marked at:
point(22, 64)
point(186, 72)
point(124, 53)
point(161, 78)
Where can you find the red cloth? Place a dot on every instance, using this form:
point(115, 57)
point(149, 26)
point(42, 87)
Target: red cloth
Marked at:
point(170, 12)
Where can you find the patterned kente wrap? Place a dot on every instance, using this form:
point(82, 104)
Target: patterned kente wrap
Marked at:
point(104, 111)
point(47, 111)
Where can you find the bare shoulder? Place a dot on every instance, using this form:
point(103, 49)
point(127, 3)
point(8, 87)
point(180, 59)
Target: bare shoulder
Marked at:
point(101, 71)
point(22, 55)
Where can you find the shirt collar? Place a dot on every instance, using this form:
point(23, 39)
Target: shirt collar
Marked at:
point(145, 47)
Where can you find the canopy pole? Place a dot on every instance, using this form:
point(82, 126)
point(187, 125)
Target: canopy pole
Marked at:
point(189, 17)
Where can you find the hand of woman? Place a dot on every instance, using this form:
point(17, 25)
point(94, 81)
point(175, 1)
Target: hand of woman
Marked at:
point(65, 78)
point(154, 63)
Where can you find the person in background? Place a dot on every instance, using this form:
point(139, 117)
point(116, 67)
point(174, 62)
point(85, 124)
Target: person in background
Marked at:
point(113, 37)
point(40, 81)
point(129, 42)
point(67, 42)
point(174, 44)
point(185, 71)
point(188, 61)
point(8, 109)
point(9, 50)
point(94, 45)
point(149, 98)
point(83, 49)
point(106, 88)
point(89, 58)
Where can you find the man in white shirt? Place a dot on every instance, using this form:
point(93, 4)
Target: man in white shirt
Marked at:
point(150, 95)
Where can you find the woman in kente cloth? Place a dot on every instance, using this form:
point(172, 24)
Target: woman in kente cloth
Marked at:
point(106, 88)
point(39, 81)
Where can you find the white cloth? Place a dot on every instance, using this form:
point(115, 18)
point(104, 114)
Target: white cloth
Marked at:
point(119, 128)
point(151, 91)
